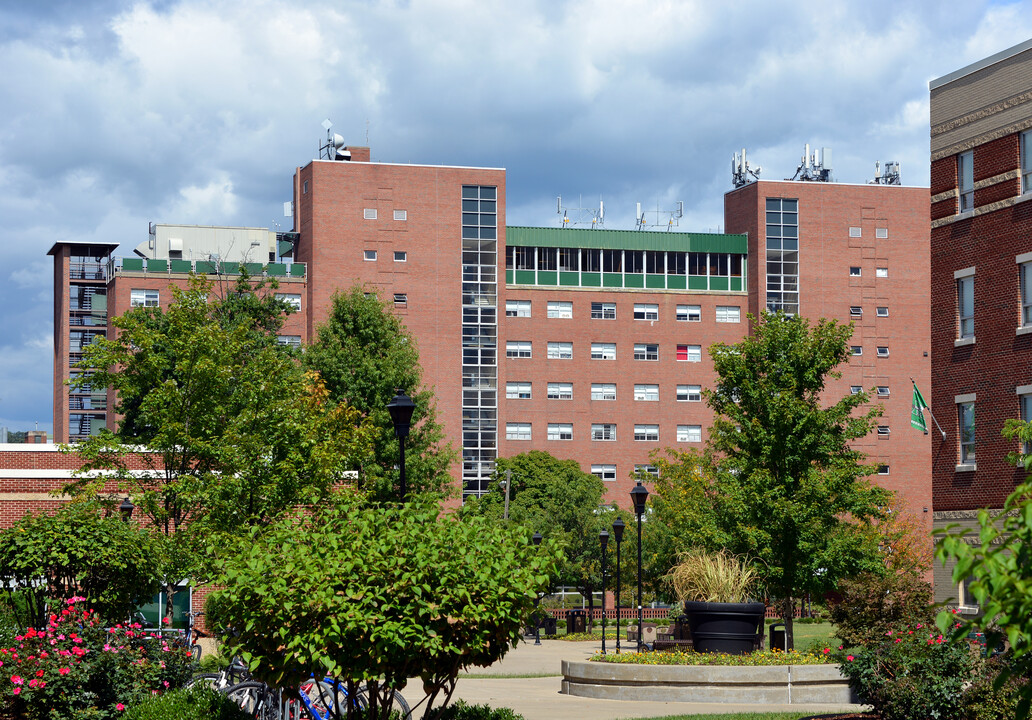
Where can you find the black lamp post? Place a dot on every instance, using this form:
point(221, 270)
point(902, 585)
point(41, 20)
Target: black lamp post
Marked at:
point(536, 539)
point(618, 528)
point(638, 496)
point(401, 407)
point(603, 539)
point(126, 508)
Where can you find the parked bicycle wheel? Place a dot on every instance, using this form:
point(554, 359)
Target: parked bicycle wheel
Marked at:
point(320, 698)
point(213, 680)
point(256, 700)
point(398, 703)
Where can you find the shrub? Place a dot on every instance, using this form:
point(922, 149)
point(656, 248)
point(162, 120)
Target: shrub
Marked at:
point(199, 702)
point(990, 697)
point(461, 711)
point(711, 577)
point(872, 605)
point(76, 669)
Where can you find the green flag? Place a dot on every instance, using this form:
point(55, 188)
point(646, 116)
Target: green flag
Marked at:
point(917, 418)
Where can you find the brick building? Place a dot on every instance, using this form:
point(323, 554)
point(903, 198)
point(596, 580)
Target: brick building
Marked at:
point(981, 284)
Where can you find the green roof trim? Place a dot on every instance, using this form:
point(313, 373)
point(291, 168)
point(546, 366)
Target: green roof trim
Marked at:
point(626, 239)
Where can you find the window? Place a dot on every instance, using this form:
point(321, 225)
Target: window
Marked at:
point(881, 272)
point(369, 213)
point(883, 469)
point(966, 424)
point(966, 307)
point(856, 311)
point(560, 351)
point(883, 391)
point(646, 393)
point(400, 256)
point(560, 431)
point(560, 391)
point(965, 598)
point(883, 351)
point(855, 232)
point(854, 271)
point(369, 255)
point(883, 431)
point(883, 312)
point(1026, 161)
point(966, 180)
point(1025, 411)
point(401, 215)
point(517, 348)
point(643, 311)
point(729, 314)
point(689, 353)
point(400, 300)
point(289, 340)
point(857, 349)
point(782, 254)
point(517, 390)
point(517, 431)
point(603, 351)
point(689, 433)
point(304, 190)
point(1025, 280)
point(559, 309)
point(646, 470)
point(881, 233)
point(517, 308)
point(604, 472)
point(603, 311)
point(646, 433)
point(689, 393)
point(689, 313)
point(603, 431)
point(855, 389)
point(646, 351)
point(290, 299)
point(603, 391)
point(146, 298)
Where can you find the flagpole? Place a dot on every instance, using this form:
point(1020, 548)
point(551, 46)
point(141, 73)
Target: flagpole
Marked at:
point(930, 413)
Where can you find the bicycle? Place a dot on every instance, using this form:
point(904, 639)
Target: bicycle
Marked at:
point(327, 699)
point(234, 674)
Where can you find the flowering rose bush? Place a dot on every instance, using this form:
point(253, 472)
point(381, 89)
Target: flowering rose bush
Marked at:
point(75, 668)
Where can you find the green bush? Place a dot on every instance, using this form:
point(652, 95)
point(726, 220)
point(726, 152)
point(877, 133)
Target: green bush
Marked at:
point(872, 605)
point(989, 697)
point(195, 703)
point(461, 711)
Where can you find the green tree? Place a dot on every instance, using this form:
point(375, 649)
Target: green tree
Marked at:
point(789, 490)
point(379, 594)
point(364, 354)
point(83, 550)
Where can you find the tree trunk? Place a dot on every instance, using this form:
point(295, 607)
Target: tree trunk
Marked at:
point(788, 615)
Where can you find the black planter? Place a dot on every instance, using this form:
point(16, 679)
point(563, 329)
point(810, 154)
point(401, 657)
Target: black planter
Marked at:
point(731, 628)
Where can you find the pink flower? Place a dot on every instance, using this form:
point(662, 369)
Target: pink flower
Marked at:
point(827, 650)
point(849, 658)
point(63, 671)
point(17, 691)
point(119, 706)
point(33, 682)
point(16, 680)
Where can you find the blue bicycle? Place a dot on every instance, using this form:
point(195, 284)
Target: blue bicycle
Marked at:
point(327, 699)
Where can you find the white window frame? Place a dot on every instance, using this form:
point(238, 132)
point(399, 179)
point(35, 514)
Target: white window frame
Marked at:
point(559, 309)
point(855, 231)
point(856, 311)
point(560, 431)
point(1026, 161)
point(883, 431)
point(881, 233)
point(967, 455)
point(400, 256)
point(559, 351)
point(883, 351)
point(882, 311)
point(603, 432)
point(369, 213)
point(560, 391)
point(603, 351)
point(517, 308)
point(401, 215)
point(518, 390)
point(646, 392)
point(1024, 393)
point(689, 393)
point(883, 469)
point(856, 350)
point(604, 472)
point(144, 297)
point(692, 353)
point(603, 311)
point(1024, 290)
point(966, 181)
point(291, 299)
point(689, 433)
point(400, 299)
point(965, 283)
point(729, 314)
point(646, 311)
point(689, 313)
point(646, 470)
point(518, 431)
point(856, 389)
point(646, 352)
point(856, 271)
point(882, 272)
point(883, 391)
point(289, 340)
point(603, 392)
point(518, 349)
point(369, 255)
point(646, 433)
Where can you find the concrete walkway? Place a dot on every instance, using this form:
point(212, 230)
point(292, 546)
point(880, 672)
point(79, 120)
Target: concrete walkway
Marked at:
point(538, 698)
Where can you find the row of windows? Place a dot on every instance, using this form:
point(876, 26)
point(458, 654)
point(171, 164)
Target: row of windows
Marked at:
point(601, 351)
point(563, 309)
point(150, 298)
point(633, 262)
point(966, 172)
point(965, 282)
point(857, 311)
point(520, 390)
point(371, 214)
point(600, 432)
point(371, 255)
point(857, 271)
point(882, 350)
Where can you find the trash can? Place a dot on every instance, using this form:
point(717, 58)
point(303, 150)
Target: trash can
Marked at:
point(777, 637)
point(548, 625)
point(576, 622)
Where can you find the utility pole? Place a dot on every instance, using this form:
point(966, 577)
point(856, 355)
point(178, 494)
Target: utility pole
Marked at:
point(508, 483)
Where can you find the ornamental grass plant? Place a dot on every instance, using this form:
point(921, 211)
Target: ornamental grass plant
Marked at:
point(711, 577)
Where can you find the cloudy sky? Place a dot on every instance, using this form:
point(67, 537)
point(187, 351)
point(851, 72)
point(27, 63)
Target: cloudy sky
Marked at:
point(116, 114)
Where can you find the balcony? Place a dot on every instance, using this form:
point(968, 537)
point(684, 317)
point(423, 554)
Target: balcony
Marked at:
point(152, 266)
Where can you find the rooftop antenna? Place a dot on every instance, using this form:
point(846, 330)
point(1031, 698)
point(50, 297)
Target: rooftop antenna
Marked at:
point(595, 217)
point(740, 170)
point(334, 148)
point(889, 177)
point(812, 169)
point(667, 219)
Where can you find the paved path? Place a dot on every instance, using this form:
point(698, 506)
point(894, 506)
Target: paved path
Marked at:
point(539, 698)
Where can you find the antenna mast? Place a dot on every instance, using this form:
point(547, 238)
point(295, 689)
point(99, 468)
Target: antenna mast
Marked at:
point(595, 217)
point(811, 169)
point(740, 170)
point(666, 219)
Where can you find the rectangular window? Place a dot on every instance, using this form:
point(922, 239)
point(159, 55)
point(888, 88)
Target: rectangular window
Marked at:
point(291, 299)
point(517, 390)
point(401, 215)
point(400, 300)
point(569, 259)
point(560, 309)
point(517, 348)
point(881, 233)
point(369, 213)
point(603, 351)
point(560, 391)
point(883, 391)
point(1025, 413)
point(689, 313)
point(1025, 280)
point(606, 473)
point(517, 431)
point(560, 351)
point(729, 314)
point(603, 311)
point(369, 255)
point(966, 180)
point(603, 391)
point(646, 393)
point(966, 307)
point(855, 271)
point(689, 433)
point(689, 353)
point(855, 389)
point(883, 312)
point(855, 232)
point(856, 311)
point(603, 431)
point(883, 469)
point(289, 340)
point(1026, 161)
point(147, 298)
point(881, 272)
point(689, 393)
point(517, 308)
point(856, 349)
point(646, 433)
point(883, 431)
point(400, 256)
point(560, 431)
point(646, 470)
point(883, 351)
point(646, 351)
point(966, 423)
point(644, 311)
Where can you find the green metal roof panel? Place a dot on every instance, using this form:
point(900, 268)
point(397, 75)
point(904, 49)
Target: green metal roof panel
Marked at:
point(626, 239)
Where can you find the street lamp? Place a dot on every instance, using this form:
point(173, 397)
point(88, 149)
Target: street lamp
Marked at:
point(401, 407)
point(126, 508)
point(618, 528)
point(536, 539)
point(603, 539)
point(638, 496)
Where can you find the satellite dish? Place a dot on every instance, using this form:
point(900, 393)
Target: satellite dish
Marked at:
point(336, 140)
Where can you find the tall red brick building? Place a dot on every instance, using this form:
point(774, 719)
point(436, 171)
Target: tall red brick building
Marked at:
point(981, 284)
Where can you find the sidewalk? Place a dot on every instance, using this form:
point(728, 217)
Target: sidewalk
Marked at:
point(538, 698)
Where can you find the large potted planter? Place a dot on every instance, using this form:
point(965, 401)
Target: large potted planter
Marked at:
point(714, 588)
